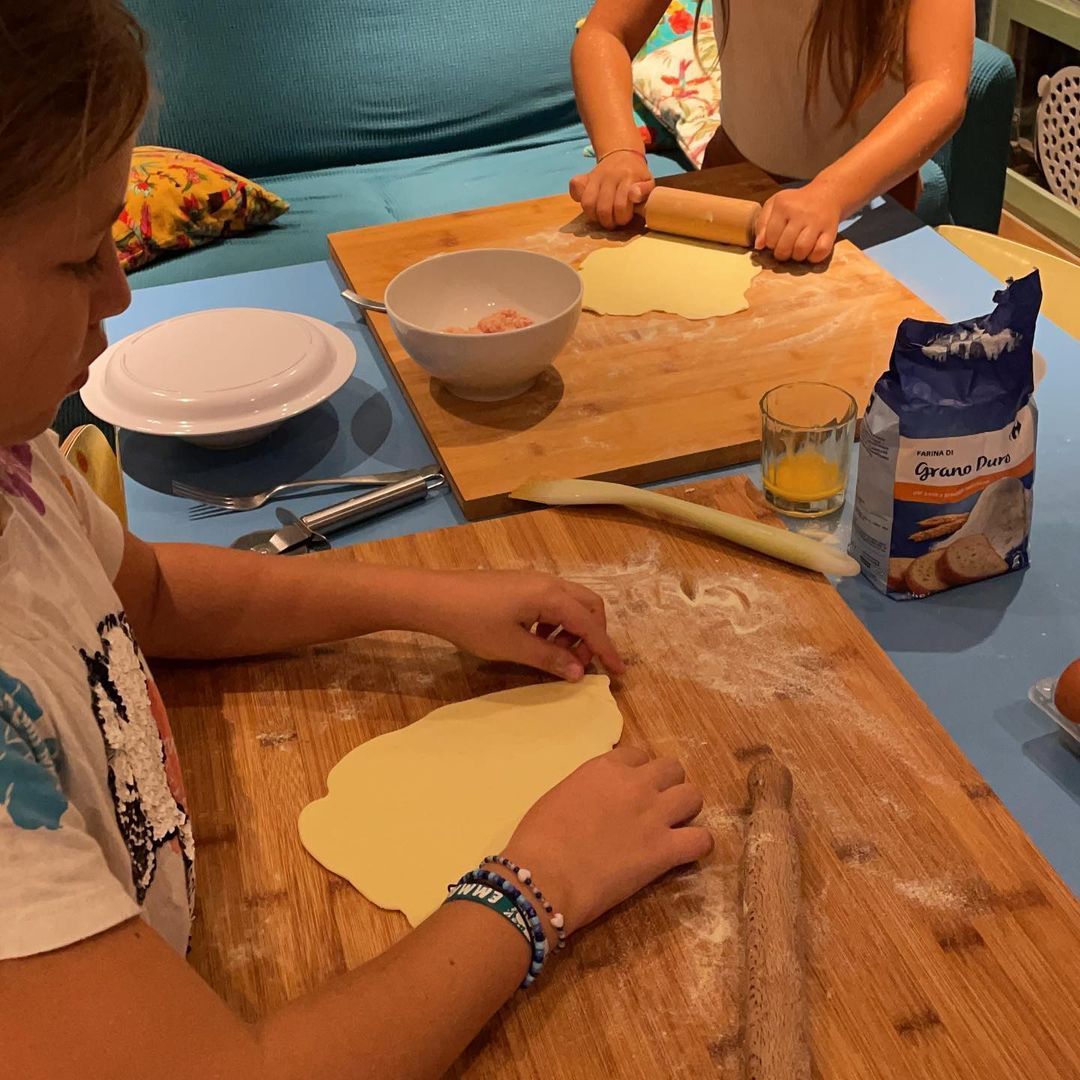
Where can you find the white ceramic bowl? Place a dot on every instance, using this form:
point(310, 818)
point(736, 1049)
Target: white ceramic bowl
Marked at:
point(462, 287)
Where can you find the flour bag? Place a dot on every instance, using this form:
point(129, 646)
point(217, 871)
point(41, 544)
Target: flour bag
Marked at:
point(947, 451)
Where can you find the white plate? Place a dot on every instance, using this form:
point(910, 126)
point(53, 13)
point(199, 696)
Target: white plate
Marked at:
point(220, 377)
point(1042, 694)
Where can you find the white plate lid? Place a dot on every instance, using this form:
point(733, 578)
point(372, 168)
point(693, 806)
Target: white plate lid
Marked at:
point(219, 370)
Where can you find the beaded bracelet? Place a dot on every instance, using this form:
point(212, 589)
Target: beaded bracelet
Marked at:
point(525, 877)
point(536, 937)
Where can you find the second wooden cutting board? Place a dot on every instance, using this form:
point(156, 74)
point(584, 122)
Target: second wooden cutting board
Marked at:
point(634, 399)
point(940, 945)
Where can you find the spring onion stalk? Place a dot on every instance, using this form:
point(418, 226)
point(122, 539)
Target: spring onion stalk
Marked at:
point(767, 539)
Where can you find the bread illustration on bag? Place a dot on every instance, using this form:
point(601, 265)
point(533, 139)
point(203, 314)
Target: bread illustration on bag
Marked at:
point(947, 451)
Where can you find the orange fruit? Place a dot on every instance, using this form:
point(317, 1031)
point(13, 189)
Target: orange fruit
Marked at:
point(1067, 693)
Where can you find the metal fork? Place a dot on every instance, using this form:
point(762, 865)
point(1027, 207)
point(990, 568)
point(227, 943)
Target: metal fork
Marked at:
point(211, 503)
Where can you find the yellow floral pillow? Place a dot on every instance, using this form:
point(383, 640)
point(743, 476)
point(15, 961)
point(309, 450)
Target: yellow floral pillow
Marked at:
point(177, 201)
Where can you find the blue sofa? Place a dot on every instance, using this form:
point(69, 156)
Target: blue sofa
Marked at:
point(360, 113)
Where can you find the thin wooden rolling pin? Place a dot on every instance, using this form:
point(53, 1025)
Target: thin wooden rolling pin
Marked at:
point(777, 1047)
point(702, 217)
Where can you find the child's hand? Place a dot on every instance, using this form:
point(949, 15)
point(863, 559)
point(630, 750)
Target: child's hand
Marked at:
point(607, 830)
point(611, 193)
point(799, 224)
point(491, 614)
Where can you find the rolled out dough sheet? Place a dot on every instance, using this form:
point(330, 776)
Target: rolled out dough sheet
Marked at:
point(409, 812)
point(691, 278)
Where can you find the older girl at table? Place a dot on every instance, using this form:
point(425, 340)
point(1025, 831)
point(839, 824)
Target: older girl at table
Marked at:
point(96, 871)
point(850, 95)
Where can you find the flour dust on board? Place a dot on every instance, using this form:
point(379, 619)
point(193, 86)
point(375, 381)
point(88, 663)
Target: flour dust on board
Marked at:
point(947, 451)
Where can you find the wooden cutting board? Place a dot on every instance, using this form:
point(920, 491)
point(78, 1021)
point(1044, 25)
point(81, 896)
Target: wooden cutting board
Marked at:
point(941, 944)
point(634, 399)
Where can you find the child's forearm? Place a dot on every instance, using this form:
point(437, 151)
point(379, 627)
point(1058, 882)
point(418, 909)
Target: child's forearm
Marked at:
point(190, 602)
point(406, 1014)
point(938, 41)
point(912, 131)
point(212, 602)
point(603, 84)
point(409, 1012)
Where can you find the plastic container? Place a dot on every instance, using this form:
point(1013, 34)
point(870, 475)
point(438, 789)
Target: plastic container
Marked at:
point(1042, 694)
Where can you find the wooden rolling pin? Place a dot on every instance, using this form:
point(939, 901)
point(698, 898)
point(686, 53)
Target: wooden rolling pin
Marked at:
point(701, 216)
point(777, 1047)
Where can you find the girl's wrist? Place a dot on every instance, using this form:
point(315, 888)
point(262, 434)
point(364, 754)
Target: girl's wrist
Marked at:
point(556, 888)
point(396, 598)
point(483, 888)
point(639, 153)
point(831, 184)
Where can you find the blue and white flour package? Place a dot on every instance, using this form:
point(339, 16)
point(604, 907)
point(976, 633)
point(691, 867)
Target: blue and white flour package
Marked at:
point(947, 451)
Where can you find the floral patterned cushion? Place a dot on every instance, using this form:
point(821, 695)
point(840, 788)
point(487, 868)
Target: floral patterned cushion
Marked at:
point(177, 201)
point(657, 138)
point(671, 84)
point(678, 21)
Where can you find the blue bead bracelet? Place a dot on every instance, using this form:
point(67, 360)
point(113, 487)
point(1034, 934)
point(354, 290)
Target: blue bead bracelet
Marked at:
point(525, 877)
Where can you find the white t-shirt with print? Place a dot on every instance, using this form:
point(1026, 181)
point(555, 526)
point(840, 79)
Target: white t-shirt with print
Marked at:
point(93, 821)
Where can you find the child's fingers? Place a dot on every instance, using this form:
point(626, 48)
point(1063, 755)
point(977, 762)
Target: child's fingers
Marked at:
point(688, 844)
point(624, 205)
point(562, 609)
point(605, 204)
point(631, 756)
point(778, 221)
point(804, 243)
point(823, 248)
point(565, 640)
point(574, 644)
point(577, 186)
point(680, 803)
point(583, 653)
point(781, 249)
point(664, 773)
point(536, 652)
point(588, 198)
point(640, 191)
point(570, 641)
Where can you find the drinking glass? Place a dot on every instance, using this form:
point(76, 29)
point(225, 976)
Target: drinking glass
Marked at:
point(807, 429)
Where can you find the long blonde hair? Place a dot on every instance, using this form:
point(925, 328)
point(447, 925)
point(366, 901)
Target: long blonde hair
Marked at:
point(859, 42)
point(73, 89)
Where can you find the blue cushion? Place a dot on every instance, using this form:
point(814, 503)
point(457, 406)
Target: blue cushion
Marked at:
point(274, 86)
point(974, 160)
point(330, 200)
point(933, 205)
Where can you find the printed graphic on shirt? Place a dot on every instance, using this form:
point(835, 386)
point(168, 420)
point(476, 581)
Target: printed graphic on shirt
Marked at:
point(16, 465)
point(144, 774)
point(30, 790)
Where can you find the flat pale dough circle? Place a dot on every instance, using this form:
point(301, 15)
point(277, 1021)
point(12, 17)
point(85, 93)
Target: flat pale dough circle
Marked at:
point(667, 273)
point(408, 813)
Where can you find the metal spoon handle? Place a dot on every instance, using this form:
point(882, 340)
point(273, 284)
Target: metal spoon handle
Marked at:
point(364, 302)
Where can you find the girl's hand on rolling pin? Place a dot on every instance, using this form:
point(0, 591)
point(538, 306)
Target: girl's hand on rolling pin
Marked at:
point(611, 827)
point(611, 193)
point(799, 224)
point(492, 614)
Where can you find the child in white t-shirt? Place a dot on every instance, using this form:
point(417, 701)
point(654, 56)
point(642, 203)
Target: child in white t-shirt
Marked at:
point(96, 829)
point(96, 853)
